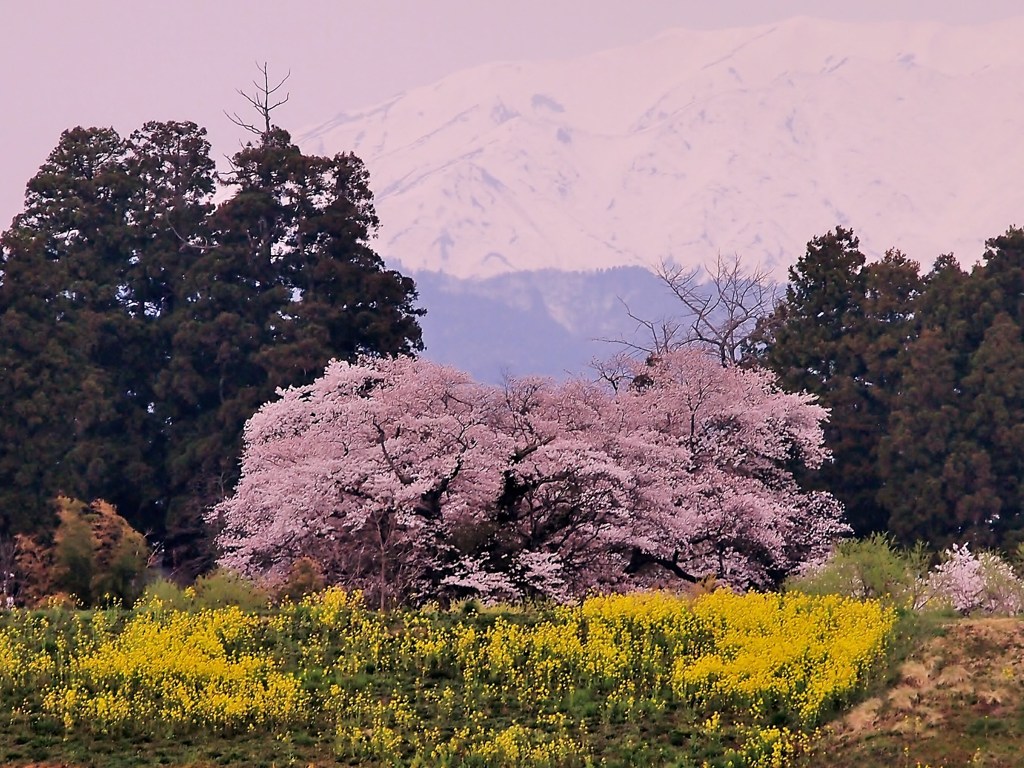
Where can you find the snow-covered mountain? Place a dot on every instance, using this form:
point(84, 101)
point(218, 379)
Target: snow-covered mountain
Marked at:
point(745, 141)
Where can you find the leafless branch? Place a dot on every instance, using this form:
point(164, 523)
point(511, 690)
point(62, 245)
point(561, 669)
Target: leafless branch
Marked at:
point(263, 101)
point(662, 335)
point(720, 312)
point(616, 371)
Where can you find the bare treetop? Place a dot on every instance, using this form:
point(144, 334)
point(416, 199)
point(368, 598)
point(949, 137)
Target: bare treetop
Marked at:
point(723, 317)
point(265, 100)
point(720, 314)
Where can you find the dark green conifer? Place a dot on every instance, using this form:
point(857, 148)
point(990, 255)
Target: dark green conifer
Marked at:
point(838, 334)
point(140, 325)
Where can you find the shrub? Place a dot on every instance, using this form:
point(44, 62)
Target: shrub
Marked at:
point(164, 593)
point(973, 583)
point(871, 568)
point(305, 577)
point(74, 550)
point(221, 588)
point(121, 553)
point(96, 556)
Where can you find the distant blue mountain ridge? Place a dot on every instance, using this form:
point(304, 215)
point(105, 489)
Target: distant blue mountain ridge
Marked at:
point(545, 322)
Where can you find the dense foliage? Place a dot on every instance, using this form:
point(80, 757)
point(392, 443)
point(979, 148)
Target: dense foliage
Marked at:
point(411, 481)
point(141, 324)
point(924, 382)
point(837, 334)
point(954, 455)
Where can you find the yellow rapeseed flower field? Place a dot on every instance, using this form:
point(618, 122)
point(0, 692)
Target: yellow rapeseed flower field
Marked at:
point(753, 673)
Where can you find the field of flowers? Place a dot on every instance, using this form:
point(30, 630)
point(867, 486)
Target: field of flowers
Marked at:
point(644, 679)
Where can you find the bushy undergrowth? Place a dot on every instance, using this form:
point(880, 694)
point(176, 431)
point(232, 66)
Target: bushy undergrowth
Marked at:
point(961, 580)
point(872, 568)
point(649, 678)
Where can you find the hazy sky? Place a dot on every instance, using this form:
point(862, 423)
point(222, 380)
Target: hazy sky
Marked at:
point(123, 62)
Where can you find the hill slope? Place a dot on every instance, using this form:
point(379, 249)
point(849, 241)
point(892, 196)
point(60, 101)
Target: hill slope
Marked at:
point(958, 702)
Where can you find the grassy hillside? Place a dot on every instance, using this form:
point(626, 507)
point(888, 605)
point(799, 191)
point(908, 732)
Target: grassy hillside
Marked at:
point(956, 700)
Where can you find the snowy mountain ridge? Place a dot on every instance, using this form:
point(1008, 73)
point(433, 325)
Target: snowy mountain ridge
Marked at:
point(746, 141)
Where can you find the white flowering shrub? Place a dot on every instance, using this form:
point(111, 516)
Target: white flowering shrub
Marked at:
point(975, 583)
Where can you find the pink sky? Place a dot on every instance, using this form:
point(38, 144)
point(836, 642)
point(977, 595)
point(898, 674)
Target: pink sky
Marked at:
point(122, 62)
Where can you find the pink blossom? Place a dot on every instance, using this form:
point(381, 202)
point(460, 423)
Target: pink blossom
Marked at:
point(411, 481)
point(976, 583)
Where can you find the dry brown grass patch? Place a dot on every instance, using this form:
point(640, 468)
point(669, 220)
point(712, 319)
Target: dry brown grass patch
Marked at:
point(902, 698)
point(916, 674)
point(958, 701)
point(861, 718)
point(993, 696)
point(953, 676)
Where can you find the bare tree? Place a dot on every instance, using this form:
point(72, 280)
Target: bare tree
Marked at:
point(615, 371)
point(724, 312)
point(721, 310)
point(651, 337)
point(263, 100)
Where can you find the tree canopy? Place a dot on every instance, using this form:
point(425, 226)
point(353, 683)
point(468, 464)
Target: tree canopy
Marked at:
point(141, 324)
point(838, 334)
point(923, 378)
point(410, 481)
point(953, 453)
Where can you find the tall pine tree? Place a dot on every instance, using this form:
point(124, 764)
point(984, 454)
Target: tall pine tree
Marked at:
point(140, 325)
point(838, 334)
point(288, 282)
point(69, 424)
point(954, 453)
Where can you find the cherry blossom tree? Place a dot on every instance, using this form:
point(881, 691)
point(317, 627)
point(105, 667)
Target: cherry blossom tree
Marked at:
point(972, 583)
point(411, 481)
point(565, 498)
point(713, 448)
point(355, 470)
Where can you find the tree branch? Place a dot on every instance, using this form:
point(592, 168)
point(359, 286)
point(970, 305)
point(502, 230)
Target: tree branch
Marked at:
point(261, 102)
point(638, 559)
point(719, 314)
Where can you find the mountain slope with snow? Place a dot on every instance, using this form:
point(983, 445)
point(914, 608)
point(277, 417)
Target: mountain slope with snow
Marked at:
point(746, 141)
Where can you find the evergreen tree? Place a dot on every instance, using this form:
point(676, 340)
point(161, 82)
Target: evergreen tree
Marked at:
point(289, 284)
point(838, 334)
point(892, 286)
point(921, 438)
point(993, 392)
point(140, 326)
point(809, 348)
point(68, 426)
point(174, 184)
point(954, 453)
